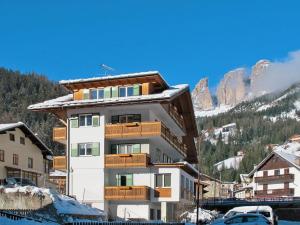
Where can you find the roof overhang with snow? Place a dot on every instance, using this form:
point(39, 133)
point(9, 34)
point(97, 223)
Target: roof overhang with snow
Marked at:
point(28, 133)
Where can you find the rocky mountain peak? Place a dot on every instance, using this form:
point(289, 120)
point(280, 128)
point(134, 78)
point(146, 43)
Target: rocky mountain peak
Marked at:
point(231, 89)
point(201, 95)
point(257, 73)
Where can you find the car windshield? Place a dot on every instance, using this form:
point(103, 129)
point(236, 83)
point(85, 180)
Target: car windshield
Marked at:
point(231, 214)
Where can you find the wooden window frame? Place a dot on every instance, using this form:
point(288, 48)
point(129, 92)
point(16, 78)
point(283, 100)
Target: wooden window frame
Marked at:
point(15, 159)
point(12, 137)
point(22, 140)
point(30, 163)
point(2, 155)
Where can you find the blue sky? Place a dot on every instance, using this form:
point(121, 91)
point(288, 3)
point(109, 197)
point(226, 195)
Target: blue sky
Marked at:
point(184, 40)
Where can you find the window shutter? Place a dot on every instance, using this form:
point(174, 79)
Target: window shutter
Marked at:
point(118, 180)
point(74, 150)
point(96, 149)
point(114, 92)
point(74, 122)
point(107, 93)
point(95, 120)
point(136, 89)
point(129, 180)
point(86, 94)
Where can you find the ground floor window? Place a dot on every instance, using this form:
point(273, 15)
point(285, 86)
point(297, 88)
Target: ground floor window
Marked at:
point(124, 179)
point(158, 214)
point(152, 214)
point(23, 174)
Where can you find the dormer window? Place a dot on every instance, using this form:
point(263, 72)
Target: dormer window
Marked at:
point(97, 93)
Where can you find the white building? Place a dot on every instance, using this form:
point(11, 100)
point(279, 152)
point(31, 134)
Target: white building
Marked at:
point(23, 154)
point(130, 144)
point(278, 175)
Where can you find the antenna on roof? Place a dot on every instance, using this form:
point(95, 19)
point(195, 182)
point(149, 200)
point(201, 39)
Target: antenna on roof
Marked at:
point(106, 68)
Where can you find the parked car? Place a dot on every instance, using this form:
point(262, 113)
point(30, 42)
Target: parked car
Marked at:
point(17, 181)
point(266, 211)
point(244, 219)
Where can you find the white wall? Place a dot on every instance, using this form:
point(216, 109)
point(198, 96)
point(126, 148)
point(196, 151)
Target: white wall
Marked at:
point(87, 172)
point(23, 151)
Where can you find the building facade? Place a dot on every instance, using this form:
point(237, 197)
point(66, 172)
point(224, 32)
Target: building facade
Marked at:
point(23, 154)
point(130, 144)
point(278, 175)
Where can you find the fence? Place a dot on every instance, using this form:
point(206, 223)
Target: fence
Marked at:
point(123, 223)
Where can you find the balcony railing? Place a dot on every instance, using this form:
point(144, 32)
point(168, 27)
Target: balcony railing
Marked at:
point(173, 112)
point(119, 193)
point(126, 160)
point(275, 192)
point(277, 178)
point(60, 134)
point(162, 192)
point(60, 162)
point(143, 129)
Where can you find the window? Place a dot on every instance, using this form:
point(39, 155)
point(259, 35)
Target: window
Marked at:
point(85, 120)
point(128, 118)
point(125, 148)
point(249, 219)
point(182, 186)
point(94, 94)
point(46, 166)
point(163, 180)
point(130, 91)
point(30, 163)
point(158, 214)
point(122, 91)
point(100, 93)
point(167, 180)
point(22, 140)
point(15, 159)
point(158, 180)
point(276, 172)
point(235, 220)
point(86, 94)
point(2, 155)
point(85, 149)
point(12, 137)
point(152, 216)
point(124, 179)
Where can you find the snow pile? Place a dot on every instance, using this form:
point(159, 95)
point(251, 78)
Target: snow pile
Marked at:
point(213, 112)
point(205, 216)
point(62, 203)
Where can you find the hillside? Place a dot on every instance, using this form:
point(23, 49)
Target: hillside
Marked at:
point(269, 119)
point(17, 91)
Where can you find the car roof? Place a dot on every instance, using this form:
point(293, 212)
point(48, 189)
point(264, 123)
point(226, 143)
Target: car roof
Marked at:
point(251, 208)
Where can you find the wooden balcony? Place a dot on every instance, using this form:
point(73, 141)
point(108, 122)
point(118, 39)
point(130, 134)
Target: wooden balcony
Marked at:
point(60, 134)
point(275, 193)
point(126, 160)
point(120, 193)
point(143, 129)
point(60, 162)
point(173, 112)
point(278, 178)
point(162, 192)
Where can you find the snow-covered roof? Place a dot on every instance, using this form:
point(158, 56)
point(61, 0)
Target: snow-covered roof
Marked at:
point(110, 77)
point(289, 152)
point(57, 173)
point(26, 130)
point(67, 101)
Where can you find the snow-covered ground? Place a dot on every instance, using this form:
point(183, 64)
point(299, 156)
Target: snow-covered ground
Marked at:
point(230, 163)
point(213, 112)
point(62, 203)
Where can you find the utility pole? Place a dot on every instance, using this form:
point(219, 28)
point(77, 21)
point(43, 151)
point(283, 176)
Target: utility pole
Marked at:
point(198, 181)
